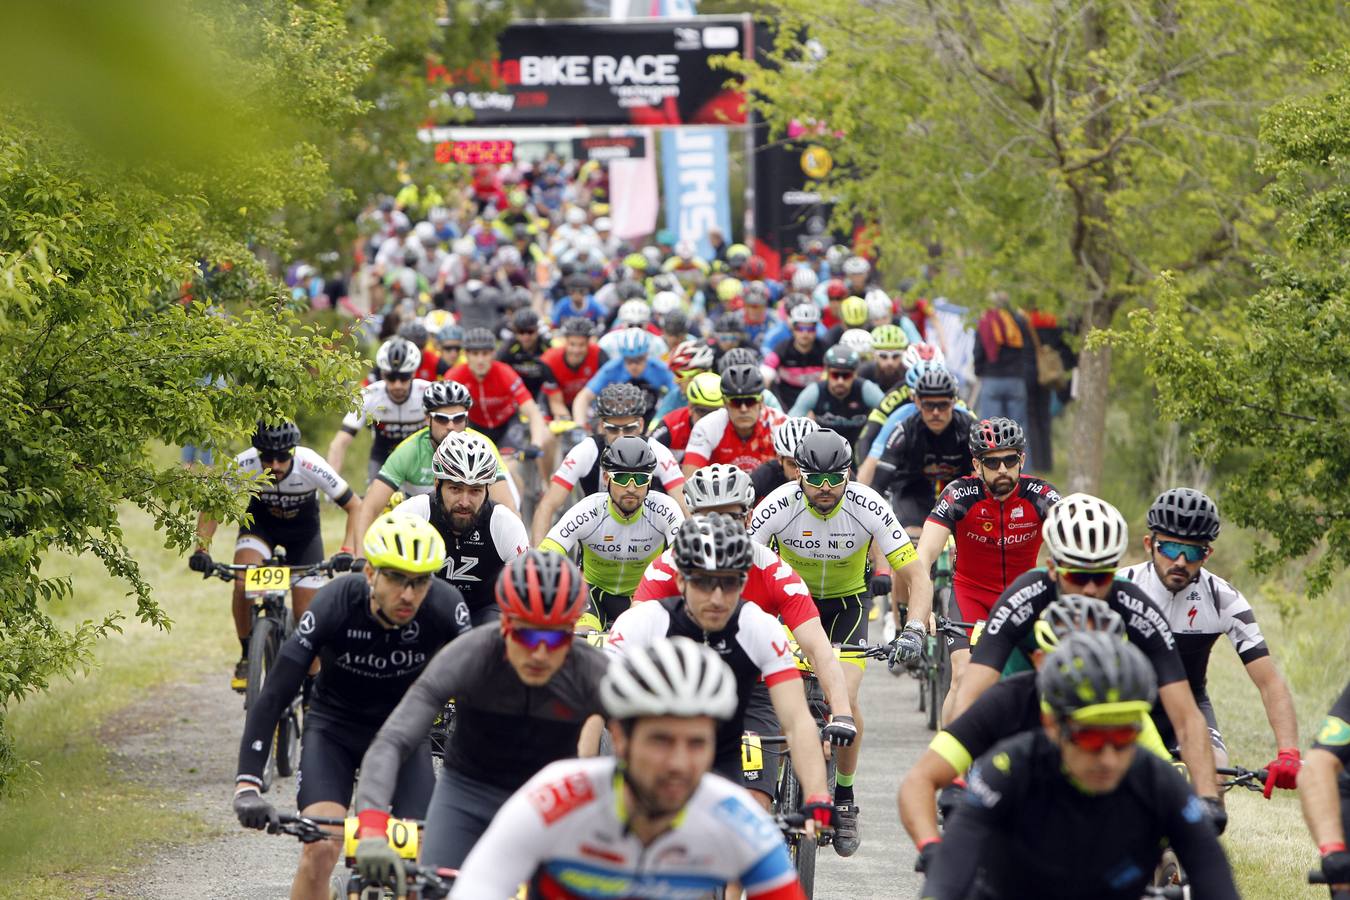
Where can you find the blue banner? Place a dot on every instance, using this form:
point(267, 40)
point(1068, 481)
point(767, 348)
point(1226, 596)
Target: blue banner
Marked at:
point(695, 183)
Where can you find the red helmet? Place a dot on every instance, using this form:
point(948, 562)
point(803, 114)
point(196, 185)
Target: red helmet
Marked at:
point(691, 354)
point(835, 289)
point(543, 589)
point(754, 269)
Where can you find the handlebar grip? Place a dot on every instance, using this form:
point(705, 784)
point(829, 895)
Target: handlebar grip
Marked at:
point(1316, 877)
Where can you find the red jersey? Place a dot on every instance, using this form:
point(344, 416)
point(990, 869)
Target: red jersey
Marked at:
point(496, 398)
point(996, 540)
point(713, 440)
point(677, 427)
point(567, 379)
point(771, 585)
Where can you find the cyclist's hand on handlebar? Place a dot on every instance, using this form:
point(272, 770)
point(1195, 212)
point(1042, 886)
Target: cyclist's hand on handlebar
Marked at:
point(820, 808)
point(253, 811)
point(1217, 814)
point(1336, 867)
point(879, 585)
point(200, 561)
point(342, 561)
point(842, 731)
point(908, 645)
point(1283, 771)
point(377, 862)
point(927, 853)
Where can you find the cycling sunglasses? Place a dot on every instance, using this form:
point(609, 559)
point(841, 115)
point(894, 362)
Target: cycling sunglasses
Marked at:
point(398, 376)
point(630, 428)
point(533, 638)
point(994, 463)
point(1194, 553)
point(1095, 739)
point(935, 405)
point(804, 328)
point(402, 581)
point(742, 402)
point(841, 375)
point(449, 418)
point(636, 479)
point(1081, 577)
point(708, 583)
point(821, 479)
point(268, 456)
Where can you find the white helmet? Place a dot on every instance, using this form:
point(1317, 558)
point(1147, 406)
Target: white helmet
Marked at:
point(464, 246)
point(664, 302)
point(857, 340)
point(685, 249)
point(804, 314)
point(398, 355)
point(635, 312)
point(576, 216)
point(669, 677)
point(425, 232)
point(603, 224)
point(787, 436)
point(917, 353)
point(804, 280)
point(717, 485)
point(856, 265)
point(879, 305)
point(464, 457)
point(1085, 532)
point(653, 255)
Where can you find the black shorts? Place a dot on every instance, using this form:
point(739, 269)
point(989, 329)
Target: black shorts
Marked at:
point(606, 606)
point(1169, 735)
point(761, 719)
point(330, 754)
point(912, 509)
point(302, 547)
point(510, 434)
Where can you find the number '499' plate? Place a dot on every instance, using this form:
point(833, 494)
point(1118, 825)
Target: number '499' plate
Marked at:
point(268, 578)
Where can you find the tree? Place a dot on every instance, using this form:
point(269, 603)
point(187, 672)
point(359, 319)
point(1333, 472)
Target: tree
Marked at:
point(1068, 151)
point(1265, 386)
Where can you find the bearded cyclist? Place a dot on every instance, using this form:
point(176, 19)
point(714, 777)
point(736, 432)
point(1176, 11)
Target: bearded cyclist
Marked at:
point(392, 406)
point(571, 366)
point(740, 434)
point(887, 367)
point(843, 401)
point(826, 528)
point(618, 530)
point(651, 821)
point(480, 536)
point(500, 399)
point(374, 631)
point(522, 690)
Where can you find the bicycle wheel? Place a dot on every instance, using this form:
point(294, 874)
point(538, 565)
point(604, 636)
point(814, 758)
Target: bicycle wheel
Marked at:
point(263, 645)
point(288, 740)
point(802, 850)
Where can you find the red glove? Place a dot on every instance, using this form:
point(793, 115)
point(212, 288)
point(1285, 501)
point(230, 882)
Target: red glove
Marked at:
point(1283, 772)
point(373, 823)
point(821, 808)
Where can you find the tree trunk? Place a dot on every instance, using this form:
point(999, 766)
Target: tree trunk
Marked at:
point(1087, 444)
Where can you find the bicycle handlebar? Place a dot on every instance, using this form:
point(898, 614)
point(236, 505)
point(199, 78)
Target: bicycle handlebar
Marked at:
point(230, 571)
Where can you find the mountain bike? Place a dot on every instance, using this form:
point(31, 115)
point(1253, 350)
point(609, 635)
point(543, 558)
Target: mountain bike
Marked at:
point(419, 882)
point(1169, 872)
point(267, 583)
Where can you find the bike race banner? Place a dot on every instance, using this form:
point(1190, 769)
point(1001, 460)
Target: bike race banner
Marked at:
point(599, 72)
point(696, 185)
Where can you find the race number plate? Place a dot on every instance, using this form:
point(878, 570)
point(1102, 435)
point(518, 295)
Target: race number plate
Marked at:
point(402, 837)
point(752, 753)
point(268, 578)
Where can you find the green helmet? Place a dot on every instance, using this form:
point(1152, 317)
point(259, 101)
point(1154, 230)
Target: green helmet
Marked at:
point(889, 337)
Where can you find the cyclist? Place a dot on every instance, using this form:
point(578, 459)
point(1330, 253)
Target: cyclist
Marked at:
point(522, 690)
point(843, 402)
point(1085, 538)
point(651, 821)
point(825, 528)
point(525, 353)
point(409, 469)
point(1073, 810)
point(772, 585)
point(926, 451)
point(799, 359)
point(887, 367)
point(895, 407)
point(635, 364)
point(688, 360)
point(772, 474)
point(1200, 606)
point(480, 536)
point(374, 631)
point(578, 303)
point(740, 434)
point(620, 407)
point(704, 395)
point(996, 517)
point(499, 395)
point(391, 406)
point(572, 365)
point(749, 356)
point(432, 366)
point(1324, 791)
point(283, 511)
point(712, 555)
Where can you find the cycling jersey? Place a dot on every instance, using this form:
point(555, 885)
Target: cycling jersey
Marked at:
point(1334, 738)
point(846, 415)
point(615, 549)
point(365, 666)
point(566, 833)
point(771, 584)
point(496, 398)
point(767, 478)
point(581, 466)
point(875, 436)
point(752, 644)
point(566, 379)
point(1025, 830)
point(795, 368)
point(528, 364)
point(714, 440)
point(505, 731)
point(391, 422)
point(408, 468)
point(996, 540)
point(890, 402)
point(563, 310)
point(475, 557)
point(289, 509)
point(656, 379)
point(830, 551)
point(919, 462)
point(673, 431)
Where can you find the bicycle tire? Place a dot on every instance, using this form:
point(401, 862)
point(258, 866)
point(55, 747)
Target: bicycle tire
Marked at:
point(288, 741)
point(263, 645)
point(940, 680)
point(802, 851)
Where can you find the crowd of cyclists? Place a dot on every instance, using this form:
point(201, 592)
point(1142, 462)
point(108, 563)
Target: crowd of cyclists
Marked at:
point(708, 464)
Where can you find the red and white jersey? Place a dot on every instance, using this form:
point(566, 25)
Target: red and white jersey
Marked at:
point(713, 440)
point(771, 584)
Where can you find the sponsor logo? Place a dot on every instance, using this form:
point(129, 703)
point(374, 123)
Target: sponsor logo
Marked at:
point(1017, 513)
point(557, 799)
point(410, 632)
point(357, 634)
point(306, 625)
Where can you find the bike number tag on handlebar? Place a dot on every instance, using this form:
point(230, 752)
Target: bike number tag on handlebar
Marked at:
point(267, 578)
point(752, 753)
point(402, 837)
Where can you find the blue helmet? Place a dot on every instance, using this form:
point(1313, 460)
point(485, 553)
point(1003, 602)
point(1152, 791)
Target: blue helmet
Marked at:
point(634, 342)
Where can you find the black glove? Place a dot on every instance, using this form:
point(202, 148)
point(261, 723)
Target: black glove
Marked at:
point(341, 561)
point(378, 863)
point(926, 856)
point(253, 811)
point(1217, 814)
point(842, 731)
point(908, 645)
point(199, 561)
point(1336, 867)
point(879, 585)
point(359, 564)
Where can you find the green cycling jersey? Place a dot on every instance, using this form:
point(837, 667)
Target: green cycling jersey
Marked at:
point(408, 467)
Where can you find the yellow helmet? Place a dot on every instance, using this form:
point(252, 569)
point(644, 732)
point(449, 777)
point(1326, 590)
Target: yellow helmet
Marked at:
point(705, 390)
point(854, 311)
point(406, 543)
point(728, 289)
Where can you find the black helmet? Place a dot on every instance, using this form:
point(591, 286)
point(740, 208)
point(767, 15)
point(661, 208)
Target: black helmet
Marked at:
point(576, 326)
point(841, 357)
point(1095, 677)
point(675, 322)
point(1072, 613)
point(577, 281)
point(742, 380)
point(621, 400)
point(446, 393)
point(1185, 513)
point(414, 331)
point(935, 383)
point(732, 322)
point(279, 436)
point(714, 542)
point(629, 454)
point(823, 451)
point(995, 433)
point(479, 339)
point(525, 320)
point(628, 289)
point(737, 356)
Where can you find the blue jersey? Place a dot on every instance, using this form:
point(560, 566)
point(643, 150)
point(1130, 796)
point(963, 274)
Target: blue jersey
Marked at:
point(563, 309)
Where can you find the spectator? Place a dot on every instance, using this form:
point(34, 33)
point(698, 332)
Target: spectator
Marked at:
point(1004, 355)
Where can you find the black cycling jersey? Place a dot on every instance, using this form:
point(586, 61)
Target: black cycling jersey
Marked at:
point(1025, 830)
point(1334, 737)
point(529, 365)
point(917, 462)
point(872, 372)
point(475, 557)
point(366, 667)
point(767, 478)
point(505, 731)
point(1008, 708)
point(894, 399)
point(287, 511)
point(846, 415)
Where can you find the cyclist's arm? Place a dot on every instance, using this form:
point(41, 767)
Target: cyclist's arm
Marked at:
point(206, 529)
point(282, 683)
point(806, 400)
point(581, 406)
point(549, 504)
point(931, 542)
point(867, 472)
point(1192, 734)
point(917, 797)
point(1277, 700)
point(952, 873)
point(377, 496)
point(539, 432)
point(353, 508)
point(499, 492)
point(977, 679)
point(1319, 795)
point(1193, 838)
point(815, 643)
point(556, 407)
point(800, 730)
point(337, 448)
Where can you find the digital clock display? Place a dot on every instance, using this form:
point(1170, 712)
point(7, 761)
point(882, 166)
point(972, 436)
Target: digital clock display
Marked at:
point(471, 153)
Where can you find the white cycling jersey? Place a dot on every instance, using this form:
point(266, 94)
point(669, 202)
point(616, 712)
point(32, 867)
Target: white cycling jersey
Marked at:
point(295, 497)
point(583, 460)
point(391, 422)
point(566, 833)
point(615, 549)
